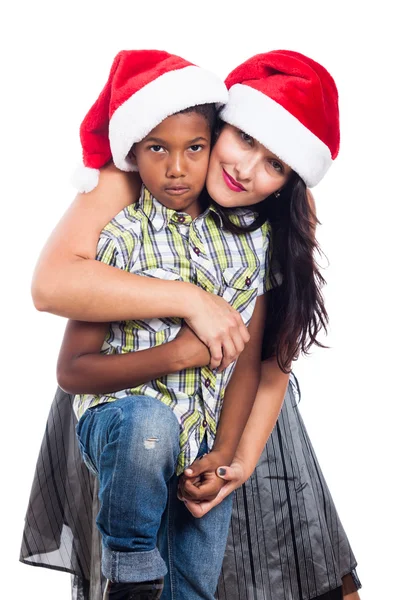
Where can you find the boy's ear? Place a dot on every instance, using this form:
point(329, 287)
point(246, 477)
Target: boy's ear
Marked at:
point(132, 156)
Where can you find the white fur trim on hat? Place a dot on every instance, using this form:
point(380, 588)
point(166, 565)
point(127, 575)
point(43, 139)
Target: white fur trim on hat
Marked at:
point(85, 179)
point(159, 99)
point(278, 130)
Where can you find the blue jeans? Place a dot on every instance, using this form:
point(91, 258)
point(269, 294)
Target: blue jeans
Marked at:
point(132, 445)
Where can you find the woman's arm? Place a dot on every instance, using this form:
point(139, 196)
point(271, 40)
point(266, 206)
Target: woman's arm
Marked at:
point(81, 369)
point(265, 412)
point(241, 391)
point(270, 395)
point(263, 417)
point(268, 403)
point(69, 282)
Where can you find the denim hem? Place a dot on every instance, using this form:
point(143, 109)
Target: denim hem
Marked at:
point(127, 567)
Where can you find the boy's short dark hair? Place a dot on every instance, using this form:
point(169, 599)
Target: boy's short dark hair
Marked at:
point(208, 111)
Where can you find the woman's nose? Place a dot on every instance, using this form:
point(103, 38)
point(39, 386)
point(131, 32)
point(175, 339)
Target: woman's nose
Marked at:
point(245, 168)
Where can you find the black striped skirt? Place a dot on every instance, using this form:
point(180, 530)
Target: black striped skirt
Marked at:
point(286, 541)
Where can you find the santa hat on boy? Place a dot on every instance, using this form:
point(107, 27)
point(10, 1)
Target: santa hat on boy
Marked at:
point(289, 103)
point(144, 88)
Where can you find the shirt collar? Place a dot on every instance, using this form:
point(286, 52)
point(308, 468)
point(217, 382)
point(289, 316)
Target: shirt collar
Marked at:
point(215, 214)
point(156, 213)
point(159, 216)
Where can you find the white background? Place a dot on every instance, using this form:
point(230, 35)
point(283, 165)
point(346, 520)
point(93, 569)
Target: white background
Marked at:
point(55, 60)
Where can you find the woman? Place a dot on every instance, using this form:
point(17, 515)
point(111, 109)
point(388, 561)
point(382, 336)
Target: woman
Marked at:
point(286, 540)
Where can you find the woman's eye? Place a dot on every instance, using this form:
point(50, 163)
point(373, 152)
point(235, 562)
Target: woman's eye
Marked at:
point(156, 148)
point(246, 138)
point(277, 166)
point(196, 148)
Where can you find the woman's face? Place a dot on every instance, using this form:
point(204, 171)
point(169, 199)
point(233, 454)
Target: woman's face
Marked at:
point(242, 171)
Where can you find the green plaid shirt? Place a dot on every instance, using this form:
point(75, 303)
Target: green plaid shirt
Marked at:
point(151, 240)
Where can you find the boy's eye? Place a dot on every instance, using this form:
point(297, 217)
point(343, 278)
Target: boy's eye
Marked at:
point(196, 148)
point(156, 148)
point(246, 138)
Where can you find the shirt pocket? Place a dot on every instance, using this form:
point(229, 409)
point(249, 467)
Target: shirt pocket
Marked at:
point(167, 325)
point(241, 288)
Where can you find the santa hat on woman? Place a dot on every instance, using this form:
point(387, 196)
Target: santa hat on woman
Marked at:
point(289, 103)
point(144, 88)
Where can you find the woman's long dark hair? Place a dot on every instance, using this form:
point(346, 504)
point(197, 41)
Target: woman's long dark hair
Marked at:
point(296, 311)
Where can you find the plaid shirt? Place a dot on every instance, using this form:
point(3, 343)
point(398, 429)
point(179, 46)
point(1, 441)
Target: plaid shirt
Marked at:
point(149, 239)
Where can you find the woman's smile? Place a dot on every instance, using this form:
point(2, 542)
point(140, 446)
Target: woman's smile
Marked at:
point(232, 183)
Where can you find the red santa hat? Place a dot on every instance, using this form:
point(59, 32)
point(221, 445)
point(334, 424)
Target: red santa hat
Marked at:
point(144, 88)
point(289, 103)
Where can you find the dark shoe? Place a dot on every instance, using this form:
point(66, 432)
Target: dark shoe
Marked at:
point(145, 590)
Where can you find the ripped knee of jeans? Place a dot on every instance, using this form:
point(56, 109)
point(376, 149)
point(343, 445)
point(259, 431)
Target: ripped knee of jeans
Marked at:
point(150, 443)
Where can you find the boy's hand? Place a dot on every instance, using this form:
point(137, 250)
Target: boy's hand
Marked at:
point(203, 489)
point(194, 352)
point(219, 326)
point(200, 482)
point(234, 476)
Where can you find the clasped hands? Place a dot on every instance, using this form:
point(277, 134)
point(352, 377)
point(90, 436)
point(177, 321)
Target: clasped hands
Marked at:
point(206, 483)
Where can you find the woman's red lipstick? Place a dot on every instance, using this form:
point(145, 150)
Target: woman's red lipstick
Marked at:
point(232, 183)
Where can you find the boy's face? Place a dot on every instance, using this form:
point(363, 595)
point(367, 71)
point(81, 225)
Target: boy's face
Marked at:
point(173, 161)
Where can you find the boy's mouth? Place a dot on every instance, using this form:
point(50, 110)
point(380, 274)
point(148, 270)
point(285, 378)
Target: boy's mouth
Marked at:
point(177, 190)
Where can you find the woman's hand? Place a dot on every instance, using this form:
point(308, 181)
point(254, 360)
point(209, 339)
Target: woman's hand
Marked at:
point(234, 476)
point(219, 326)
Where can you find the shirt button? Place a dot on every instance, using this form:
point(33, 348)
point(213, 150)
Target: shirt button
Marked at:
point(248, 281)
point(181, 219)
point(204, 423)
point(207, 383)
point(196, 250)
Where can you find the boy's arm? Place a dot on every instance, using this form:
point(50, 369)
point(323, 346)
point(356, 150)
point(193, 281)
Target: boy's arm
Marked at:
point(238, 402)
point(82, 369)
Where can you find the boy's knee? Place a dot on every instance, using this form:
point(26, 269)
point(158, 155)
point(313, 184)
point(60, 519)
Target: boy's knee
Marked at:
point(150, 424)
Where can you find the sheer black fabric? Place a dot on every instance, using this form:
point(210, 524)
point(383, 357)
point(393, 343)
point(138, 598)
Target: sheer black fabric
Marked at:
point(286, 541)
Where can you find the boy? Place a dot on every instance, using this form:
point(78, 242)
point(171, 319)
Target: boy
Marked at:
point(133, 442)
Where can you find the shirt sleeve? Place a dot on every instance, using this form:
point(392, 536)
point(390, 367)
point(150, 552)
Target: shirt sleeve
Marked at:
point(117, 243)
point(108, 251)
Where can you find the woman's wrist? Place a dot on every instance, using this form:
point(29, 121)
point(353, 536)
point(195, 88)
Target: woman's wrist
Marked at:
point(246, 466)
point(188, 296)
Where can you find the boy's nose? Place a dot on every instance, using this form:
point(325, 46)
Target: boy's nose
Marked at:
point(176, 166)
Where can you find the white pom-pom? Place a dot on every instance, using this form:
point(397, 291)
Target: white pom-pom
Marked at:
point(85, 179)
